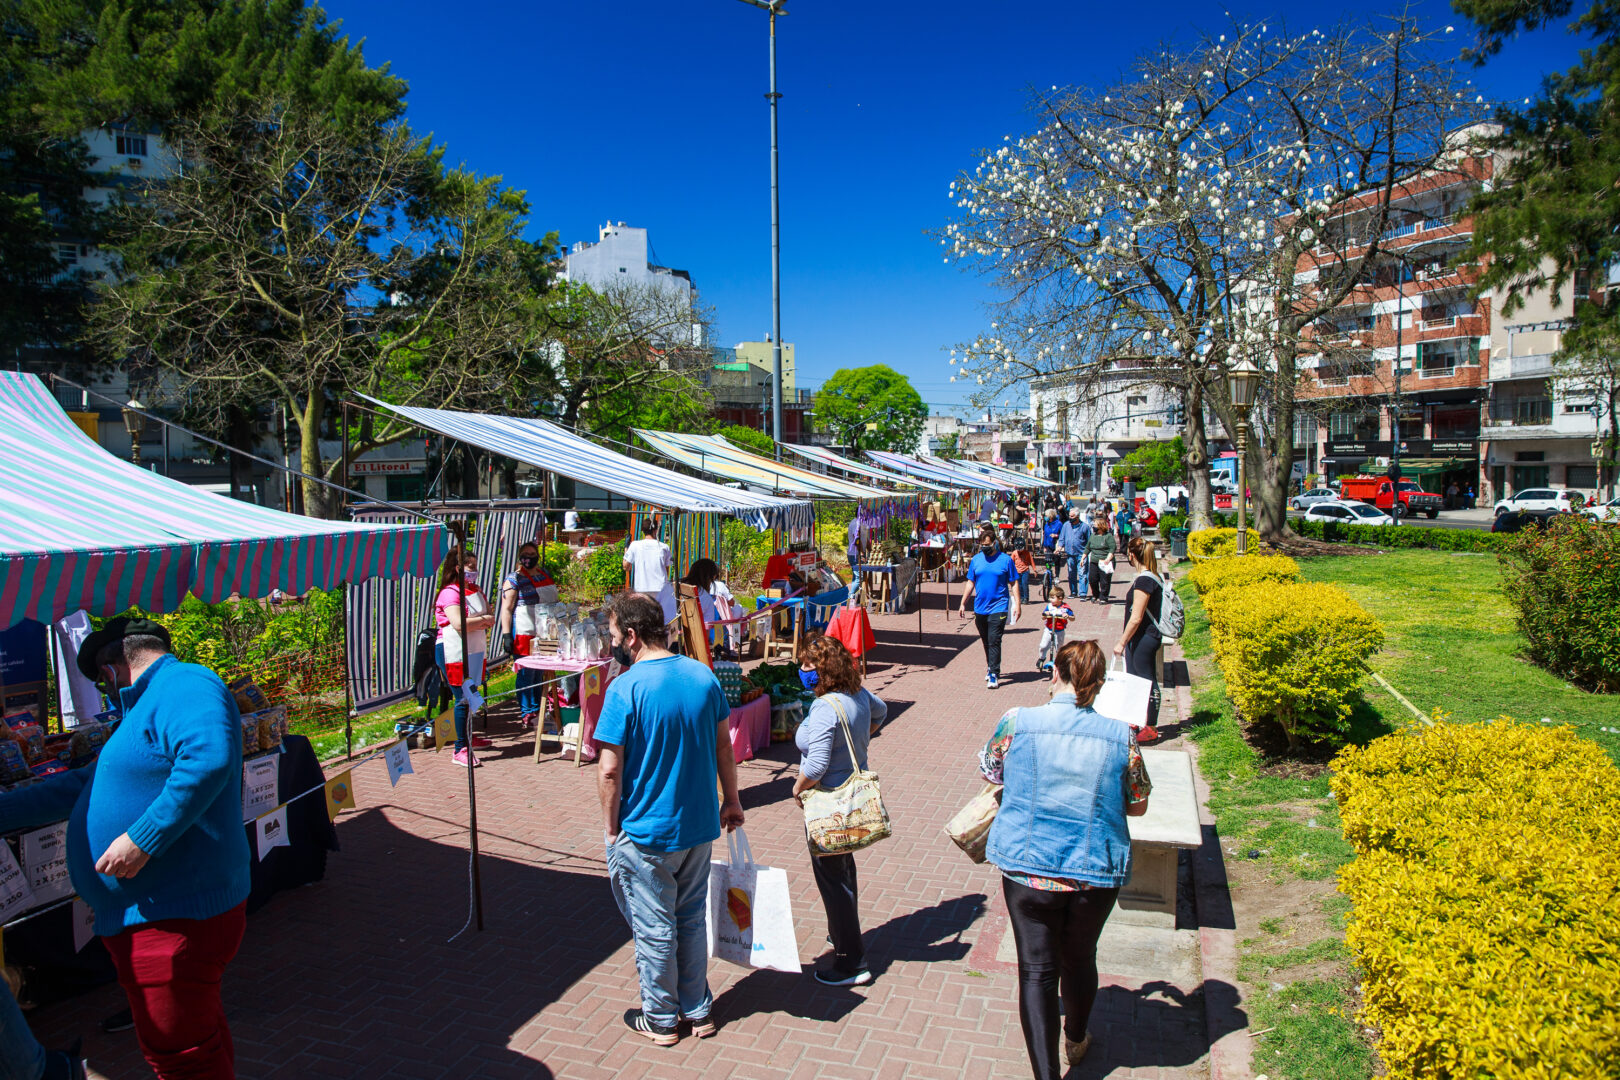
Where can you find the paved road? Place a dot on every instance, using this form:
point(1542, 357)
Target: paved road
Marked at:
point(1448, 519)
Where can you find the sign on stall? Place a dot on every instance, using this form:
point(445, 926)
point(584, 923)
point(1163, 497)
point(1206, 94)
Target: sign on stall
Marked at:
point(15, 895)
point(259, 787)
point(44, 855)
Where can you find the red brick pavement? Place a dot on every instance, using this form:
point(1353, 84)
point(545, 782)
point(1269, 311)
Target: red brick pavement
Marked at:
point(355, 977)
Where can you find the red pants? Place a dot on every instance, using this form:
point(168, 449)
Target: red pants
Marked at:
point(171, 971)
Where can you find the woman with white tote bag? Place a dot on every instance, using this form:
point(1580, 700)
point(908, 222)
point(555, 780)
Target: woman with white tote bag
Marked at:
point(1140, 642)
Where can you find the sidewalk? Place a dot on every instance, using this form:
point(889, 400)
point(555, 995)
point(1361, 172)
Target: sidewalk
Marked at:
point(353, 977)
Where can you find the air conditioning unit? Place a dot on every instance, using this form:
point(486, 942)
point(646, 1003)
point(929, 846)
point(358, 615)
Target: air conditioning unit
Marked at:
point(134, 162)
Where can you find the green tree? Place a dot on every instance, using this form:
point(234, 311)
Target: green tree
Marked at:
point(748, 438)
point(871, 408)
point(1552, 220)
point(950, 446)
point(1154, 464)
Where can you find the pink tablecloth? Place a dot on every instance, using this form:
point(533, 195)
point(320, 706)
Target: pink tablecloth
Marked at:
point(751, 728)
point(592, 686)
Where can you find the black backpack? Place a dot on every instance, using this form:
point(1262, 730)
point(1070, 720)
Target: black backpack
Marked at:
point(425, 670)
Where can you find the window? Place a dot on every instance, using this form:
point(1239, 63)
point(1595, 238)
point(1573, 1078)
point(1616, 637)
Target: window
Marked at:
point(1530, 455)
point(1063, 420)
point(1579, 407)
point(130, 143)
point(405, 488)
point(622, 270)
point(1529, 476)
point(67, 253)
point(1533, 411)
point(1580, 476)
point(1135, 400)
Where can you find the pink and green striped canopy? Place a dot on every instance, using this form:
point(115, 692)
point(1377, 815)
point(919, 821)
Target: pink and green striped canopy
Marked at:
point(81, 529)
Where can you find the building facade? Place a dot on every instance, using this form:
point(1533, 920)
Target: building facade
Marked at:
point(623, 255)
point(1082, 422)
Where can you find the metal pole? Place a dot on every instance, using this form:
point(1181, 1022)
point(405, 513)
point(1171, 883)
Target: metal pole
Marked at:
point(776, 263)
point(1395, 433)
point(1243, 484)
point(460, 531)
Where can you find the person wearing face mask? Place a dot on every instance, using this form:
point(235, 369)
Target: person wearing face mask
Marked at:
point(522, 593)
point(665, 738)
point(463, 671)
point(991, 577)
point(155, 843)
point(827, 668)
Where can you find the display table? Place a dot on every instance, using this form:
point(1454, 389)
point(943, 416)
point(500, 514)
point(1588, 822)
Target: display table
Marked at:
point(1171, 822)
point(592, 685)
point(751, 728)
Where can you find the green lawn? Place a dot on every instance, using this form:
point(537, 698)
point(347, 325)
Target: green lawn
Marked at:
point(377, 728)
point(1452, 644)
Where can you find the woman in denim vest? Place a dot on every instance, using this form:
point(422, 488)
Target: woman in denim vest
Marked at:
point(1071, 776)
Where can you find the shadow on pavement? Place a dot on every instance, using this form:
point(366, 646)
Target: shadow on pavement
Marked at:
point(1159, 1026)
point(928, 934)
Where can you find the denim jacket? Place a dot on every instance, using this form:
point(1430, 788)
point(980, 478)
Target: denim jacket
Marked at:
point(1063, 807)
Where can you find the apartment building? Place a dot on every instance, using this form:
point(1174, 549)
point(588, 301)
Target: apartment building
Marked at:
point(1084, 421)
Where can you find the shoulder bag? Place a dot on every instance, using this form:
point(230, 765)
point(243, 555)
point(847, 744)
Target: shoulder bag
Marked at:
point(970, 828)
point(850, 816)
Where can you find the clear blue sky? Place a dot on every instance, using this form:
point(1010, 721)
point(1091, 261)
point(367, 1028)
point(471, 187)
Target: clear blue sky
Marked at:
point(654, 114)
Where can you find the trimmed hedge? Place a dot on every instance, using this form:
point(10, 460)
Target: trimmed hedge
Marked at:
point(1217, 543)
point(1292, 654)
point(1565, 583)
point(1486, 916)
point(1215, 574)
point(1398, 536)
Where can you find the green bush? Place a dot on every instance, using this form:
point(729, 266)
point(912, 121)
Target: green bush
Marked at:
point(554, 558)
point(1399, 536)
point(604, 570)
point(1564, 582)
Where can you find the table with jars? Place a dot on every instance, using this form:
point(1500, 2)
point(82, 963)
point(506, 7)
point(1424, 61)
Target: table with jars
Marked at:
point(568, 641)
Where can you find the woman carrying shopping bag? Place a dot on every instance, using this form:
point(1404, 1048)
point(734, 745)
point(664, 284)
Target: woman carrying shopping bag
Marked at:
point(1100, 550)
point(832, 743)
point(458, 591)
point(1070, 777)
point(1140, 642)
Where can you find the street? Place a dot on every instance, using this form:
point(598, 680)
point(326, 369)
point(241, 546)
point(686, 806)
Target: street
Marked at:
point(1478, 518)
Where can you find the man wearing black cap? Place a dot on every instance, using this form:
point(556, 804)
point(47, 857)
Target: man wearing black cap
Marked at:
point(155, 843)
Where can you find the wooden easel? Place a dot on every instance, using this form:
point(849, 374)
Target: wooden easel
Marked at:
point(774, 644)
point(694, 633)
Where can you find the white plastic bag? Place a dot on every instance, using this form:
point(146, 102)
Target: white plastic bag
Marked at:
point(1124, 696)
point(750, 911)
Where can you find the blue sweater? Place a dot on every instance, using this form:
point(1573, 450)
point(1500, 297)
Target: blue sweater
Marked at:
point(171, 777)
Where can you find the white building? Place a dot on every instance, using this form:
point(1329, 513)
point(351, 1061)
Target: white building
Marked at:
point(1083, 420)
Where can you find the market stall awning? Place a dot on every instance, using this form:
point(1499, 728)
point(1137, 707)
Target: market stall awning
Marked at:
point(712, 454)
point(823, 456)
point(1022, 479)
point(82, 529)
point(546, 446)
point(944, 470)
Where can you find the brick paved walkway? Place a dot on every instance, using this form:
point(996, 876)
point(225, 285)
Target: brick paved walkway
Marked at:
point(353, 977)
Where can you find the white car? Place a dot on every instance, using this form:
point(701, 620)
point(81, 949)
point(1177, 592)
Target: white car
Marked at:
point(1308, 499)
point(1541, 499)
point(1608, 513)
point(1348, 513)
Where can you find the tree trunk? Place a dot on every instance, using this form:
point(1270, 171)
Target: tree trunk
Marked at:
point(320, 501)
point(1276, 458)
point(1202, 502)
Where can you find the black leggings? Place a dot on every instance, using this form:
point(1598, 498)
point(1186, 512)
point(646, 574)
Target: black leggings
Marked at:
point(1101, 581)
point(1056, 934)
point(1141, 659)
point(840, 895)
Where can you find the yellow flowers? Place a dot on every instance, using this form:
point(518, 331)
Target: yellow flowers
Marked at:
point(1225, 573)
point(1217, 543)
point(1487, 900)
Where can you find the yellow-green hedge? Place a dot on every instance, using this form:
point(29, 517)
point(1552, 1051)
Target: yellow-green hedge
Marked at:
point(1486, 900)
point(1249, 570)
point(1292, 654)
point(1217, 543)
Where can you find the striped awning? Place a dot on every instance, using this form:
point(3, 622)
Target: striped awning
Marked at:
point(940, 469)
point(81, 529)
point(1022, 479)
point(823, 456)
point(713, 454)
point(546, 446)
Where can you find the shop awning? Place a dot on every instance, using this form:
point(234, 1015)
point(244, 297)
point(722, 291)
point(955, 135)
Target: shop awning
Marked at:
point(823, 456)
point(1022, 479)
point(1434, 466)
point(83, 529)
point(714, 455)
point(940, 469)
point(546, 446)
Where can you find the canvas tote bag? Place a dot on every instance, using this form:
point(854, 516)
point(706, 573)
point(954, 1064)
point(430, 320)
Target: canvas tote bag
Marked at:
point(851, 816)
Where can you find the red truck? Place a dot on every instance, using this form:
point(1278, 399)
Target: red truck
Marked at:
point(1380, 492)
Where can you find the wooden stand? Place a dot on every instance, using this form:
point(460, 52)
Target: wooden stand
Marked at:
point(775, 645)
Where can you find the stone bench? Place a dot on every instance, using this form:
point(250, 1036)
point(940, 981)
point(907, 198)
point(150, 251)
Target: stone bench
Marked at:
point(1171, 823)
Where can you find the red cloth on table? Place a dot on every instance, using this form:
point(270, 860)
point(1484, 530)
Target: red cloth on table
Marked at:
point(778, 568)
point(851, 626)
point(751, 728)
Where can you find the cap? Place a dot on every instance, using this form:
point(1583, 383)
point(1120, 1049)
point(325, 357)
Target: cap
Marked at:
point(116, 630)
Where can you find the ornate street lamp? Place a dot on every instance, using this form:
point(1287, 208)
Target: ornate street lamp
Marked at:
point(134, 422)
point(1241, 383)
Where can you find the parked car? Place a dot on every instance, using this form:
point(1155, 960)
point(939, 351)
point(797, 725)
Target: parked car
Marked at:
point(1559, 499)
point(1398, 498)
point(1608, 513)
point(1512, 521)
point(1308, 499)
point(1348, 513)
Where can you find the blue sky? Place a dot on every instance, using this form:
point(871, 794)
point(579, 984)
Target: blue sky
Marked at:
point(654, 114)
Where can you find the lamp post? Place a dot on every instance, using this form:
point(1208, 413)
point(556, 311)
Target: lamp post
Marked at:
point(1241, 383)
point(775, 8)
point(133, 423)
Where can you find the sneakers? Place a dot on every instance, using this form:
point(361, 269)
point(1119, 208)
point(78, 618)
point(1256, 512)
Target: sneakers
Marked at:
point(527, 721)
point(704, 1028)
point(833, 975)
point(992, 681)
point(1074, 1051)
point(658, 1035)
point(478, 742)
point(464, 757)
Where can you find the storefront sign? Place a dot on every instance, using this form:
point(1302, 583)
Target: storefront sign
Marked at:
point(1454, 448)
point(386, 468)
point(1416, 448)
point(1358, 449)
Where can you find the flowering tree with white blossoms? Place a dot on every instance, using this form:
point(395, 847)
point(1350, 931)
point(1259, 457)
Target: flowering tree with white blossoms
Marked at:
point(1216, 205)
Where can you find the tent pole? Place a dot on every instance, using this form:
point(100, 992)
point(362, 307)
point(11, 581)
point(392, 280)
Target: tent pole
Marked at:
point(348, 696)
point(459, 529)
point(345, 453)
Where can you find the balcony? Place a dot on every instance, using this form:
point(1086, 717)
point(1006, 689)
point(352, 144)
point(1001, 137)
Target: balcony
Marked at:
point(1537, 365)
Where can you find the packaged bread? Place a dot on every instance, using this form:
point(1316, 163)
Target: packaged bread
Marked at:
point(249, 698)
point(13, 766)
point(250, 734)
point(87, 740)
point(272, 727)
point(32, 738)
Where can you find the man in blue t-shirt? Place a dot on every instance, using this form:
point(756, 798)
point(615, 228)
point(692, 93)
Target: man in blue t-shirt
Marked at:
point(991, 578)
point(665, 734)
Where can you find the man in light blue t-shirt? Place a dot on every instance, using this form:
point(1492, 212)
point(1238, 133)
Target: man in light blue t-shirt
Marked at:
point(665, 734)
point(991, 578)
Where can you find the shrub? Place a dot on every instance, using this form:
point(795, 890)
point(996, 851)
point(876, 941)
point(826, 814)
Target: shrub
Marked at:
point(1292, 654)
point(555, 558)
point(1486, 906)
point(1565, 584)
point(604, 570)
point(1399, 536)
point(1217, 543)
point(1216, 574)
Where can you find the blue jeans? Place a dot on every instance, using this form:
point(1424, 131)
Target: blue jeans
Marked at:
point(1077, 574)
point(664, 896)
point(460, 712)
point(528, 681)
point(21, 1056)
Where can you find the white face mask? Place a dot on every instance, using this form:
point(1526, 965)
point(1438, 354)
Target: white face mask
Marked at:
point(471, 575)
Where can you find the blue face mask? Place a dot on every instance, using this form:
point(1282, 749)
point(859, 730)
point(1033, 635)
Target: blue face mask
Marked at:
point(809, 678)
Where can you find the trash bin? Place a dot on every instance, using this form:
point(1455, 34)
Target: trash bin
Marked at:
point(1178, 543)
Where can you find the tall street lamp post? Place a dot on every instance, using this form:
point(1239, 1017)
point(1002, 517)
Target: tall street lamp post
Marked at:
point(1241, 383)
point(775, 8)
point(134, 423)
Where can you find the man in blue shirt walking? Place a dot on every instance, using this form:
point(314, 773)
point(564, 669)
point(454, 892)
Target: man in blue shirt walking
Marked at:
point(665, 735)
point(1072, 543)
point(991, 577)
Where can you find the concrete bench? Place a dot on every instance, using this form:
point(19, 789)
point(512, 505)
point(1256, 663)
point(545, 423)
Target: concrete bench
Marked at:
point(1171, 823)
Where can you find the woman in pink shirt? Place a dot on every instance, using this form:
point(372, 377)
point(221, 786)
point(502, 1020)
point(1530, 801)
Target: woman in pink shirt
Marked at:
point(462, 671)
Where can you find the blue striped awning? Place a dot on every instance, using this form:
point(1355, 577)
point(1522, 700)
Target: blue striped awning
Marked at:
point(940, 469)
point(822, 456)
